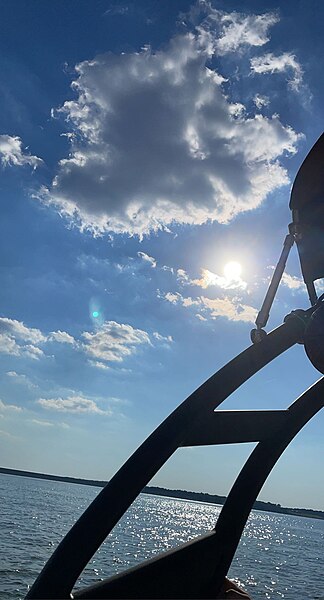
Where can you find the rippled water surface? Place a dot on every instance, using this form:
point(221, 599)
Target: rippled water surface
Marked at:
point(279, 556)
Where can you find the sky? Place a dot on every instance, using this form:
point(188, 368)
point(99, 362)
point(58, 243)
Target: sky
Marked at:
point(147, 154)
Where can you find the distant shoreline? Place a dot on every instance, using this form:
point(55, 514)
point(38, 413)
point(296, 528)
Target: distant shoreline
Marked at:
point(182, 494)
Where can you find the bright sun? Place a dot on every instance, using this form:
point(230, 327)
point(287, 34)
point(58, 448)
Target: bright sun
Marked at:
point(232, 270)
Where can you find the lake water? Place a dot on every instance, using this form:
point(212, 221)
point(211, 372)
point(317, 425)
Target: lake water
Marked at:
point(279, 556)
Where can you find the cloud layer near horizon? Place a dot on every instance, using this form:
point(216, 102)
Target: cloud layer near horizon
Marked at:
point(155, 140)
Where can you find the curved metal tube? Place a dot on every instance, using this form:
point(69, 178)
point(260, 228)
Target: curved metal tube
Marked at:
point(74, 552)
point(256, 470)
point(197, 569)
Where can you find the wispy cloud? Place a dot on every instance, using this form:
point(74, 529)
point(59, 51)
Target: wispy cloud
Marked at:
point(122, 9)
point(162, 338)
point(226, 32)
point(239, 31)
point(42, 423)
point(6, 434)
point(99, 365)
point(9, 407)
point(261, 101)
point(283, 63)
point(182, 276)
point(21, 378)
point(12, 153)
point(73, 404)
point(147, 258)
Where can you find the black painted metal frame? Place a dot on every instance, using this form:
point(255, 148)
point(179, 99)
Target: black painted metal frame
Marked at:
point(198, 568)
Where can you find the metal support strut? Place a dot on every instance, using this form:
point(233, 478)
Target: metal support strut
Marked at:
point(258, 334)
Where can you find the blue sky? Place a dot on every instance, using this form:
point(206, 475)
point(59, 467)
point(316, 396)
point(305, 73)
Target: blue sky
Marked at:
point(144, 147)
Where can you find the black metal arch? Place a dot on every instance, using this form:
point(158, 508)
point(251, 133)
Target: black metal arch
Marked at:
point(197, 569)
point(71, 556)
point(195, 422)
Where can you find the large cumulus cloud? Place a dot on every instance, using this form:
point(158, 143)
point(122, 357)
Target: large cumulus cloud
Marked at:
point(155, 140)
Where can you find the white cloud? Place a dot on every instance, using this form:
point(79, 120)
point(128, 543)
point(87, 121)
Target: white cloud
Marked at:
point(61, 337)
point(12, 153)
point(209, 279)
point(190, 301)
point(42, 423)
point(239, 30)
point(72, 404)
point(110, 342)
point(224, 32)
point(21, 378)
point(18, 340)
point(293, 282)
point(119, 9)
point(161, 338)
point(9, 407)
point(7, 434)
point(173, 298)
point(200, 317)
point(182, 276)
point(319, 286)
point(230, 308)
point(167, 269)
point(99, 365)
point(286, 62)
point(113, 341)
point(17, 376)
point(147, 258)
point(20, 331)
point(33, 351)
point(158, 141)
point(8, 345)
point(261, 101)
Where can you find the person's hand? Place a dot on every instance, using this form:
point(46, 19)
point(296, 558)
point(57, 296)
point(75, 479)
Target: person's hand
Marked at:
point(230, 591)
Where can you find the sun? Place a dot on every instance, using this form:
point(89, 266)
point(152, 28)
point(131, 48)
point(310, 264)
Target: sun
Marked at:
point(233, 271)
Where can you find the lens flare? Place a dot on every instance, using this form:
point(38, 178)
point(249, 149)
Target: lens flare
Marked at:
point(96, 312)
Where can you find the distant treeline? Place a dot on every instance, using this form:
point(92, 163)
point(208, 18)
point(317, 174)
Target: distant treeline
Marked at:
point(214, 499)
point(52, 477)
point(158, 491)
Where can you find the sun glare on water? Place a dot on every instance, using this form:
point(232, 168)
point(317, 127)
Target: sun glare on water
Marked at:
point(232, 271)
